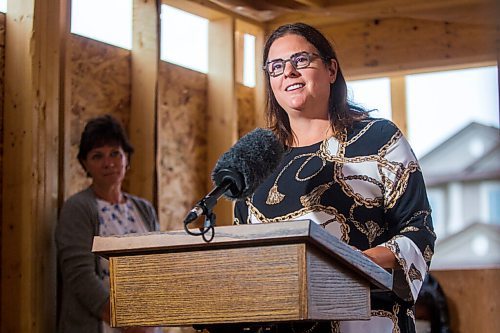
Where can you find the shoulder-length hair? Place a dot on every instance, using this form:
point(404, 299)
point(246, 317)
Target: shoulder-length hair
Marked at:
point(342, 114)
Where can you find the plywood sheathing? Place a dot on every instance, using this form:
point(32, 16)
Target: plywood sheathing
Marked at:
point(100, 84)
point(182, 142)
point(246, 105)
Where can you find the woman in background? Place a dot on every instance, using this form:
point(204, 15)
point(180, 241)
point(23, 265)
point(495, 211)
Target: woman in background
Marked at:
point(354, 175)
point(102, 209)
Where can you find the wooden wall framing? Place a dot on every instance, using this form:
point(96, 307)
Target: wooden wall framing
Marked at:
point(142, 128)
point(222, 120)
point(30, 156)
point(223, 90)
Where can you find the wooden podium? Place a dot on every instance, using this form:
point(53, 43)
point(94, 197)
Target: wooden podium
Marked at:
point(257, 273)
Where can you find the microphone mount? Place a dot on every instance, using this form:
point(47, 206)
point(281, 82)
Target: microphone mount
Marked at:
point(227, 180)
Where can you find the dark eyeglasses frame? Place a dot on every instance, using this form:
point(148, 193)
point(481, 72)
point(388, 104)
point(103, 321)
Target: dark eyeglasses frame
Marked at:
point(310, 58)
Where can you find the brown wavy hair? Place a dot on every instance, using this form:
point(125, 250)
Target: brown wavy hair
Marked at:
point(342, 113)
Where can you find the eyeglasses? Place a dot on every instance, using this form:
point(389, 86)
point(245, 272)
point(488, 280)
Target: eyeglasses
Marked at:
point(298, 60)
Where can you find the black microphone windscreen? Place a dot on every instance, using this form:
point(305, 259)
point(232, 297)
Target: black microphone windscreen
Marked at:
point(255, 156)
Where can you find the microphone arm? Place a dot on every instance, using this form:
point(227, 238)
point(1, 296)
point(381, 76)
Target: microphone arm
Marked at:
point(205, 205)
point(227, 180)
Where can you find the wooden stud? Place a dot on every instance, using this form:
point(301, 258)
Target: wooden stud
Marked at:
point(398, 103)
point(32, 90)
point(65, 156)
point(239, 38)
point(260, 86)
point(222, 120)
point(142, 126)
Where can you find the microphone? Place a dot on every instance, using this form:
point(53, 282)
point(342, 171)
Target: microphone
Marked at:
point(241, 169)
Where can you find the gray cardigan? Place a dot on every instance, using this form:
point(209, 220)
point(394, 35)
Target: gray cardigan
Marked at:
point(83, 293)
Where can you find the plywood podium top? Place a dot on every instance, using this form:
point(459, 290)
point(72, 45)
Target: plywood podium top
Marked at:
point(304, 231)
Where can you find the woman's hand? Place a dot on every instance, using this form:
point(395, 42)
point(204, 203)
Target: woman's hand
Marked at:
point(382, 256)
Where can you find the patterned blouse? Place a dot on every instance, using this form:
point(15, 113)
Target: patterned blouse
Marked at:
point(117, 219)
point(366, 189)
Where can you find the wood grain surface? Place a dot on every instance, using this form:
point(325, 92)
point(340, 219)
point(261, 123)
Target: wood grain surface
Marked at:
point(287, 271)
point(203, 287)
point(248, 235)
point(290, 282)
point(334, 291)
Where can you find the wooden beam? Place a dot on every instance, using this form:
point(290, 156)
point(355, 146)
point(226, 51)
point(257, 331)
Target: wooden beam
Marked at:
point(313, 3)
point(400, 46)
point(32, 76)
point(239, 54)
point(482, 12)
point(222, 119)
point(208, 10)
point(398, 103)
point(142, 126)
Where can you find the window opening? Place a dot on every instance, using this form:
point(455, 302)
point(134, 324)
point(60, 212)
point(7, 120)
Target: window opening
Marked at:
point(184, 39)
point(108, 21)
point(249, 60)
point(372, 94)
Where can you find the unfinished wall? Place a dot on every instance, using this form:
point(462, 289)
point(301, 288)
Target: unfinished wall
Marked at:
point(473, 299)
point(100, 84)
point(182, 144)
point(246, 105)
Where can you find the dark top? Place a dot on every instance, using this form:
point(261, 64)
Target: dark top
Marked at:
point(367, 189)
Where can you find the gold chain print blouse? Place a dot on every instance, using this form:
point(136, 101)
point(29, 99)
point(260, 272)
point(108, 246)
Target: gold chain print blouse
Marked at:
point(367, 189)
